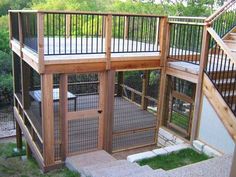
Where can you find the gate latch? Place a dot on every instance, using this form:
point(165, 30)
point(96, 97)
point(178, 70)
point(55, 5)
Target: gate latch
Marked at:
point(100, 111)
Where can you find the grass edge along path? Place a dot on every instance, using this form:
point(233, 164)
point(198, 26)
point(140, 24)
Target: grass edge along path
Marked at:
point(174, 160)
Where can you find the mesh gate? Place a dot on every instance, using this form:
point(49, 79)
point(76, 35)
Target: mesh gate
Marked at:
point(135, 109)
point(82, 116)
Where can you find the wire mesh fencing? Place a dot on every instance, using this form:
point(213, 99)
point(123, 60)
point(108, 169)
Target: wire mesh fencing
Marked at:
point(135, 109)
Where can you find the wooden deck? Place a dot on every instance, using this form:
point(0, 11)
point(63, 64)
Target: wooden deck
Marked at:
point(83, 133)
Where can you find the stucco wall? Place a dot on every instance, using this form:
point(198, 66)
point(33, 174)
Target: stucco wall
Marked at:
point(212, 131)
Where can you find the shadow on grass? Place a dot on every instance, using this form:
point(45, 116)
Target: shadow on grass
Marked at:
point(11, 164)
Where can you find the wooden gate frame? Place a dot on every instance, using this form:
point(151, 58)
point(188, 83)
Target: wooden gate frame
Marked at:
point(65, 115)
point(187, 99)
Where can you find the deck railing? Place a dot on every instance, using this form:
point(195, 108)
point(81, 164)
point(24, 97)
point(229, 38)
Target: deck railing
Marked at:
point(29, 30)
point(73, 33)
point(221, 69)
point(135, 33)
point(67, 33)
point(186, 38)
point(224, 19)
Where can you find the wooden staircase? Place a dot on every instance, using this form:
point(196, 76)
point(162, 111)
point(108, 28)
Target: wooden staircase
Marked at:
point(219, 83)
point(230, 41)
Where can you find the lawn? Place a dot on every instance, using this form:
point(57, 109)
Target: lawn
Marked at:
point(180, 120)
point(12, 165)
point(174, 160)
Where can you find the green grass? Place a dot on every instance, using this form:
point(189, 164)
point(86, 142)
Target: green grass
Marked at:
point(12, 165)
point(174, 160)
point(180, 120)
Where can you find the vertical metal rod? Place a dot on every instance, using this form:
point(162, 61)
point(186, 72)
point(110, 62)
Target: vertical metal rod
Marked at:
point(76, 33)
point(53, 33)
point(119, 34)
point(97, 33)
point(92, 34)
point(82, 34)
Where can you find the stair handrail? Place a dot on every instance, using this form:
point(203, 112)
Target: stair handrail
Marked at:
point(221, 43)
point(210, 20)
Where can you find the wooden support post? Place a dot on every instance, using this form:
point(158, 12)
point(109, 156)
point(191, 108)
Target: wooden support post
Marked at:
point(164, 45)
point(47, 119)
point(126, 28)
point(145, 81)
point(233, 167)
point(18, 137)
point(68, 25)
point(120, 81)
point(107, 80)
point(198, 97)
point(25, 84)
point(28, 151)
point(108, 41)
point(40, 27)
point(63, 109)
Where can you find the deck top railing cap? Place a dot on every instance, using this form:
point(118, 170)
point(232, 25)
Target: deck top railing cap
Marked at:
point(188, 17)
point(85, 12)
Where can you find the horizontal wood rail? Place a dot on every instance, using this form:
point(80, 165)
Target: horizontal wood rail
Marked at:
point(186, 20)
point(136, 92)
point(83, 12)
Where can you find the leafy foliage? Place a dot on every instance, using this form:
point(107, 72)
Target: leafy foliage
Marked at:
point(4, 40)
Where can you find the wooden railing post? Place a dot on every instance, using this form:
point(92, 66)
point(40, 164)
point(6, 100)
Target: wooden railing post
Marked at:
point(68, 25)
point(108, 40)
point(163, 39)
point(10, 28)
point(198, 95)
point(20, 34)
point(145, 81)
point(47, 119)
point(120, 81)
point(126, 28)
point(40, 32)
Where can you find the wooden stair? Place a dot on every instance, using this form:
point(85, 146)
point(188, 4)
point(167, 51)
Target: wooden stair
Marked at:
point(230, 40)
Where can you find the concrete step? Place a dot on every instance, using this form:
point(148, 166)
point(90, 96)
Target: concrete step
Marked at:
point(120, 170)
point(77, 162)
point(88, 171)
